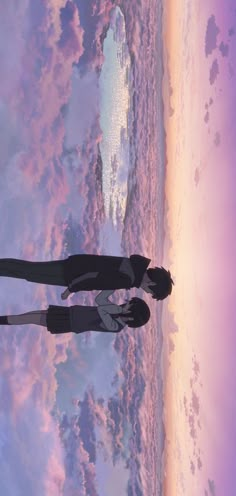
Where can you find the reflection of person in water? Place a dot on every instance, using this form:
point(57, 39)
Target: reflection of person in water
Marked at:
point(106, 317)
point(89, 272)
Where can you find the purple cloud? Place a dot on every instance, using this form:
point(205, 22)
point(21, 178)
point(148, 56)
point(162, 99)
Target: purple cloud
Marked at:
point(217, 139)
point(224, 49)
point(214, 71)
point(212, 32)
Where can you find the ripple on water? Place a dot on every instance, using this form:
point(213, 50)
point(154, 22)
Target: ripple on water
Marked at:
point(114, 97)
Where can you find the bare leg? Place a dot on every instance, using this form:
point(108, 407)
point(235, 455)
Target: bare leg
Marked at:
point(37, 317)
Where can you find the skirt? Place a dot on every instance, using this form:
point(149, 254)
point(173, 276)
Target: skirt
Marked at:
point(58, 319)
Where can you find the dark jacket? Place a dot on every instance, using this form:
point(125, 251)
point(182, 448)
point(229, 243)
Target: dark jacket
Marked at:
point(108, 268)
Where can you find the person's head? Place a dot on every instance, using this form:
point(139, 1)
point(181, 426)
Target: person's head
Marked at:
point(135, 313)
point(158, 282)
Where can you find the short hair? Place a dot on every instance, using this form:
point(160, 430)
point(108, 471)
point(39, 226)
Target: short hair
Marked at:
point(163, 282)
point(138, 311)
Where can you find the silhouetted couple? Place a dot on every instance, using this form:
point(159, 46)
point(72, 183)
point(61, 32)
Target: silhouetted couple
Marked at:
point(87, 273)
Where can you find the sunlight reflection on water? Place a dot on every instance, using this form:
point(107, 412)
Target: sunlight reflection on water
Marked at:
point(114, 91)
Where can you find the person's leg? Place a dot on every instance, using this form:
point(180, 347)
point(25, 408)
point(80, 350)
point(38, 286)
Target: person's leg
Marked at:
point(37, 317)
point(40, 272)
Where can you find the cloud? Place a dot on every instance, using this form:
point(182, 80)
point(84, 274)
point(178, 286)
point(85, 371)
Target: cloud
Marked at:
point(224, 49)
point(192, 467)
point(116, 480)
point(27, 392)
point(95, 19)
point(80, 472)
point(11, 138)
point(85, 165)
point(212, 32)
point(195, 403)
point(71, 38)
point(86, 439)
point(110, 239)
point(211, 485)
point(56, 43)
point(33, 188)
point(171, 346)
point(84, 102)
point(86, 425)
point(196, 176)
point(12, 52)
point(199, 463)
point(196, 370)
point(34, 126)
point(214, 71)
point(217, 139)
point(206, 117)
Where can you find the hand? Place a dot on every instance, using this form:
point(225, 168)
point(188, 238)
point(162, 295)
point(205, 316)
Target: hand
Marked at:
point(65, 294)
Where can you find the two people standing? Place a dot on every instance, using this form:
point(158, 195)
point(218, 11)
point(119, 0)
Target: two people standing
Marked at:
point(86, 273)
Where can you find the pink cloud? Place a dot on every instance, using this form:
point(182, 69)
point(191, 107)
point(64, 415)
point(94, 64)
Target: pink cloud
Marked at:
point(55, 476)
point(71, 39)
point(54, 185)
point(43, 86)
point(29, 388)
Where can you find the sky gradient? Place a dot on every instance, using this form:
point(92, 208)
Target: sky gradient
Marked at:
point(199, 95)
point(150, 411)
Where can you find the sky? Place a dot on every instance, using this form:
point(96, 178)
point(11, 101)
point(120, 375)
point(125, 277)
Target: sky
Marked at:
point(199, 95)
point(117, 137)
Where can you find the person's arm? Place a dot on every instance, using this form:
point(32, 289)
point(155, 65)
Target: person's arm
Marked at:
point(65, 294)
point(76, 281)
point(105, 312)
point(83, 278)
point(102, 297)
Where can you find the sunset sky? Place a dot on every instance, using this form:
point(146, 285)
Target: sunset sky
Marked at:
point(118, 137)
point(199, 94)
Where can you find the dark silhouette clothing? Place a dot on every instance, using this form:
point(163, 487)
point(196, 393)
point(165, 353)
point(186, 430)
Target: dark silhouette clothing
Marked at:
point(76, 318)
point(106, 272)
point(105, 317)
point(41, 272)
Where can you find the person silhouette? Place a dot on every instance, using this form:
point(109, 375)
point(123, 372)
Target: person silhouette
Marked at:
point(105, 317)
point(93, 272)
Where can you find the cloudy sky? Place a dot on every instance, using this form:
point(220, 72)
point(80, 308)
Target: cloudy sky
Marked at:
point(118, 137)
point(81, 134)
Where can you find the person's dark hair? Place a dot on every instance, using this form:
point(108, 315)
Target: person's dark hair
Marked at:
point(163, 282)
point(138, 311)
